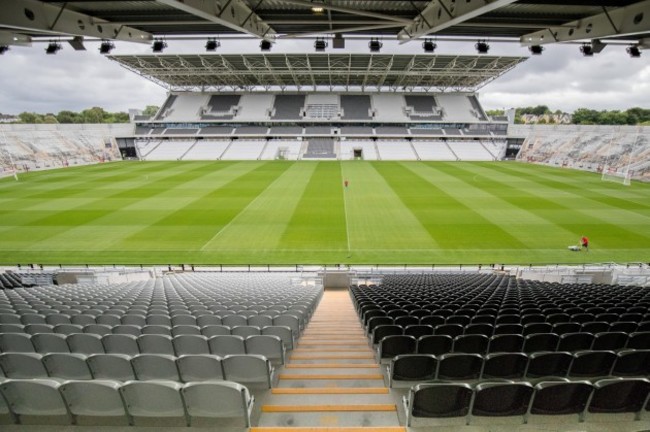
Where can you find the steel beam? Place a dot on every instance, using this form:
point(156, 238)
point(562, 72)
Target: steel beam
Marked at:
point(234, 14)
point(624, 21)
point(33, 16)
point(9, 38)
point(441, 14)
point(352, 11)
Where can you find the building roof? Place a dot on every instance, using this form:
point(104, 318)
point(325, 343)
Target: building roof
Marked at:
point(313, 71)
point(533, 22)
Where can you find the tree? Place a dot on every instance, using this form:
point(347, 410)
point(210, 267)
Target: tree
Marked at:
point(94, 115)
point(150, 110)
point(69, 117)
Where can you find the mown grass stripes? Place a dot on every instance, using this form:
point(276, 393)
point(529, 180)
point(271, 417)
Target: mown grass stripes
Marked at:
point(281, 212)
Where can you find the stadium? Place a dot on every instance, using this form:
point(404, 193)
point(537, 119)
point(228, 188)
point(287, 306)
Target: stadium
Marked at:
point(325, 240)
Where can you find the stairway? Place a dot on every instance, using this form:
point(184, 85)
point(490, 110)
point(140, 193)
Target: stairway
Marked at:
point(331, 381)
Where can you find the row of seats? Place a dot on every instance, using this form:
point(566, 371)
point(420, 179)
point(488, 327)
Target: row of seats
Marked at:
point(105, 402)
point(285, 332)
point(392, 345)
point(445, 316)
point(251, 369)
point(137, 320)
point(525, 402)
point(489, 330)
point(410, 368)
point(269, 345)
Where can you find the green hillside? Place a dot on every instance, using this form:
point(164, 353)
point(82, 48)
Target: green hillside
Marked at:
point(300, 212)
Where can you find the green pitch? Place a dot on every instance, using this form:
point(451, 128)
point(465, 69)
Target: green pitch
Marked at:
point(286, 212)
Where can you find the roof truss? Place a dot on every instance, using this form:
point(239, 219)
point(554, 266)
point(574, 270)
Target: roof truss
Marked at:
point(296, 72)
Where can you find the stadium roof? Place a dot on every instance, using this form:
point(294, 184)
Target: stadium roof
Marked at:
point(319, 70)
point(532, 22)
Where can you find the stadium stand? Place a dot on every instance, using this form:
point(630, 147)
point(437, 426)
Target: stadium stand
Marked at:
point(470, 150)
point(216, 130)
point(221, 107)
point(355, 107)
point(319, 148)
point(288, 107)
point(164, 110)
point(395, 150)
point(243, 149)
point(38, 147)
point(433, 150)
point(320, 106)
point(282, 149)
point(170, 150)
point(422, 107)
point(458, 108)
point(388, 108)
point(358, 149)
point(589, 148)
point(565, 333)
point(255, 107)
point(206, 150)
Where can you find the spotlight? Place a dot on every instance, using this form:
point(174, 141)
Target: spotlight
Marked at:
point(634, 51)
point(429, 46)
point(587, 50)
point(106, 47)
point(3, 49)
point(338, 42)
point(158, 45)
point(320, 45)
point(536, 49)
point(53, 48)
point(265, 45)
point(375, 45)
point(482, 47)
point(212, 44)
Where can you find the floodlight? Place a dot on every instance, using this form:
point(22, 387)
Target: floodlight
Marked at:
point(482, 47)
point(265, 45)
point(338, 42)
point(106, 47)
point(634, 51)
point(536, 49)
point(320, 44)
point(158, 45)
point(429, 46)
point(587, 50)
point(375, 45)
point(53, 47)
point(3, 49)
point(212, 44)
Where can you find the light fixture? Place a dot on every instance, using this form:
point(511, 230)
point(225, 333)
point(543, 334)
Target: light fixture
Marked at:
point(482, 47)
point(265, 45)
point(375, 45)
point(106, 47)
point(3, 49)
point(317, 10)
point(634, 51)
point(536, 49)
point(53, 47)
point(429, 46)
point(587, 50)
point(158, 45)
point(212, 44)
point(320, 44)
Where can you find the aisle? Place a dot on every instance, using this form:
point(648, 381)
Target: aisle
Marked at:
point(331, 381)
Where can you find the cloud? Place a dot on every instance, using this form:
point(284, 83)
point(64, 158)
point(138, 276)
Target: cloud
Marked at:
point(560, 78)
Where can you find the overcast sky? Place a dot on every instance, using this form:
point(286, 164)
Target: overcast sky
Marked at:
point(561, 78)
